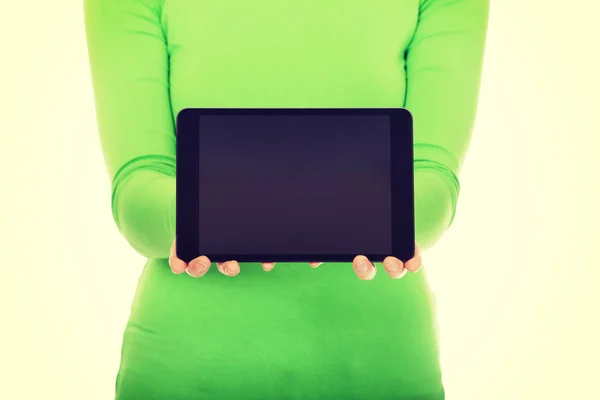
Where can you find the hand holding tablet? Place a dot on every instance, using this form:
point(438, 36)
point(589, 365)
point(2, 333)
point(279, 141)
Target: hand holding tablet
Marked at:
point(294, 185)
point(362, 266)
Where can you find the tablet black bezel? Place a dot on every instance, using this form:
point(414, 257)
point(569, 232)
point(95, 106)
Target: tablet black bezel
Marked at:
point(188, 192)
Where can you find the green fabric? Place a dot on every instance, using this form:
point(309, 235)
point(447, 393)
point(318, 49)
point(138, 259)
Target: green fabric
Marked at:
point(295, 332)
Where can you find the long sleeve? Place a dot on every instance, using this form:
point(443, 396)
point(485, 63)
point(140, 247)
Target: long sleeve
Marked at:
point(443, 65)
point(129, 67)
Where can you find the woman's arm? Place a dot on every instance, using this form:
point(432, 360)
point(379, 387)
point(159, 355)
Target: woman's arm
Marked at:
point(444, 63)
point(129, 67)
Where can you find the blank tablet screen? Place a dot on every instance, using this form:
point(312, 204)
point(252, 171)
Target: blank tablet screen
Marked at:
point(273, 184)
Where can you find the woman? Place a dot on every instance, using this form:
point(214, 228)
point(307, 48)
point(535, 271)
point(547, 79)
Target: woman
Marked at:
point(295, 332)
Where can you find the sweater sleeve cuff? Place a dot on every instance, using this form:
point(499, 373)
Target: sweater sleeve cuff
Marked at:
point(143, 205)
point(436, 193)
point(446, 164)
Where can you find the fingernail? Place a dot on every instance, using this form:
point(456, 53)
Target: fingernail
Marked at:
point(231, 271)
point(269, 266)
point(187, 271)
point(393, 267)
point(401, 274)
point(374, 269)
point(203, 267)
point(363, 267)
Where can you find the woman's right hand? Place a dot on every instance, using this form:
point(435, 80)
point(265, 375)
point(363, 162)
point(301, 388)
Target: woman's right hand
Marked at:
point(200, 265)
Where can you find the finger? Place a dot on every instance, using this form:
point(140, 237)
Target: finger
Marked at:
point(198, 267)
point(394, 267)
point(229, 268)
point(314, 264)
point(177, 265)
point(414, 264)
point(364, 268)
point(268, 266)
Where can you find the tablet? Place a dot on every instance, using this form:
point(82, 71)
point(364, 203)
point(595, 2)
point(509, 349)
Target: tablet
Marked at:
point(295, 185)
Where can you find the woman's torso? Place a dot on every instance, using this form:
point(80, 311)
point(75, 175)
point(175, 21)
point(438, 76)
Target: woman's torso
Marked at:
point(294, 332)
point(311, 53)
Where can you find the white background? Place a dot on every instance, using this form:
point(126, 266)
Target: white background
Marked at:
point(515, 276)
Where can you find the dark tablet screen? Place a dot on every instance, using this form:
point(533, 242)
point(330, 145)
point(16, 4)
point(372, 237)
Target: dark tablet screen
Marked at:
point(294, 185)
point(270, 183)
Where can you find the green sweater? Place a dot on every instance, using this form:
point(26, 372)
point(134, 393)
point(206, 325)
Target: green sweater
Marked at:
point(295, 332)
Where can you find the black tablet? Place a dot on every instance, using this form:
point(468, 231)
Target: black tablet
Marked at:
point(295, 185)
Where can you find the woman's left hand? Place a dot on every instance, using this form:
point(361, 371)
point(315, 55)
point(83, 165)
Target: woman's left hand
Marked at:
point(395, 268)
